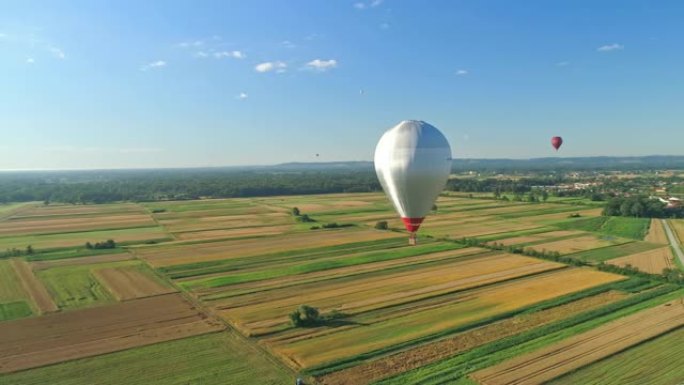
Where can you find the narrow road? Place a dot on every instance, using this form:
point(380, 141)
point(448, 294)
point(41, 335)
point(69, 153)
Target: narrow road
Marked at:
point(673, 241)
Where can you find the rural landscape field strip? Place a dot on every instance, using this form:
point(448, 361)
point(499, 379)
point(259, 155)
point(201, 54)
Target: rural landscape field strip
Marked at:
point(466, 307)
point(213, 251)
point(14, 300)
point(64, 336)
point(412, 358)
point(605, 253)
point(656, 233)
point(77, 239)
point(69, 225)
point(34, 287)
point(651, 261)
point(553, 361)
point(42, 264)
point(265, 310)
point(455, 368)
point(656, 362)
point(131, 282)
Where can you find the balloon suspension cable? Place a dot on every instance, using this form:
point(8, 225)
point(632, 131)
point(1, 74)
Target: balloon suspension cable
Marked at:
point(412, 239)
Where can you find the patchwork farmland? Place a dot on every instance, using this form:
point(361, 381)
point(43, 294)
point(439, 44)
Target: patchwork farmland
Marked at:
point(492, 285)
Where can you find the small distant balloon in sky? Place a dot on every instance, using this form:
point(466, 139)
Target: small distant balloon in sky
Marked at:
point(556, 142)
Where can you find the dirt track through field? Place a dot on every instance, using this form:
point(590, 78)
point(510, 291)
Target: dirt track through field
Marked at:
point(575, 352)
point(425, 354)
point(59, 337)
point(128, 283)
point(35, 288)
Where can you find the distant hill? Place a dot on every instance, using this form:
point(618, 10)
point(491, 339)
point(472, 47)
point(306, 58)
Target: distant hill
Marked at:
point(577, 163)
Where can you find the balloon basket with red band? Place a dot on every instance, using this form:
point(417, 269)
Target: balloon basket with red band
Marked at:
point(412, 225)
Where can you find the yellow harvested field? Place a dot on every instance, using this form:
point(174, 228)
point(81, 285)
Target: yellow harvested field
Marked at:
point(130, 282)
point(422, 321)
point(177, 225)
point(481, 228)
point(262, 311)
point(34, 287)
point(574, 245)
point(540, 219)
point(656, 233)
point(234, 233)
point(651, 261)
point(181, 254)
point(580, 350)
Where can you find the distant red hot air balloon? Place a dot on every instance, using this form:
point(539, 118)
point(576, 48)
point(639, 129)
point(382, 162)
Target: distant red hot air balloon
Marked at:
point(556, 142)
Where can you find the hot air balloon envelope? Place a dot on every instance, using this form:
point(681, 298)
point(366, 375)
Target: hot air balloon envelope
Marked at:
point(413, 162)
point(556, 142)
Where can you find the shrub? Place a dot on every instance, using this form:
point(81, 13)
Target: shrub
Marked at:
point(381, 225)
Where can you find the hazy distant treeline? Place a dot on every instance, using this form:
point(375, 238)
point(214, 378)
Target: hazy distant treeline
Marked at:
point(152, 185)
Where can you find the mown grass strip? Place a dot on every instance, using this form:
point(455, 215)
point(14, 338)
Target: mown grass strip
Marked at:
point(634, 228)
point(317, 266)
point(583, 224)
point(616, 251)
point(71, 253)
point(333, 366)
point(14, 310)
point(454, 368)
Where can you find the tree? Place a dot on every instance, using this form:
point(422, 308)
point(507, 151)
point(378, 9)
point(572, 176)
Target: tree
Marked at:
point(295, 211)
point(305, 315)
point(545, 195)
point(29, 250)
point(89, 246)
point(434, 207)
point(381, 225)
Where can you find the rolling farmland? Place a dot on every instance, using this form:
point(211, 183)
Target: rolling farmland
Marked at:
point(393, 313)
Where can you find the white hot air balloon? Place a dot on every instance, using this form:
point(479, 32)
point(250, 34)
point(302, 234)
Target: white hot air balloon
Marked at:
point(413, 162)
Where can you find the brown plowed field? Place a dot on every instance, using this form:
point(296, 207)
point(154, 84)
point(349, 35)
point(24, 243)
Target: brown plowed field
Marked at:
point(423, 355)
point(61, 225)
point(656, 233)
point(116, 208)
point(41, 297)
point(651, 261)
point(181, 254)
point(574, 245)
point(130, 282)
point(59, 337)
point(41, 265)
point(563, 357)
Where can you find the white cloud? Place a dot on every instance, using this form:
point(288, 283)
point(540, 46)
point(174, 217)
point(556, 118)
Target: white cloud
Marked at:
point(610, 47)
point(563, 64)
point(462, 72)
point(58, 53)
point(288, 44)
point(232, 54)
point(30, 60)
point(369, 4)
point(321, 65)
point(153, 65)
point(242, 96)
point(269, 66)
point(201, 54)
point(190, 44)
point(384, 26)
point(2, 35)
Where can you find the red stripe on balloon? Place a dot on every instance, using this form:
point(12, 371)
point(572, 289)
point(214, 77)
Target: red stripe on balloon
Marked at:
point(412, 224)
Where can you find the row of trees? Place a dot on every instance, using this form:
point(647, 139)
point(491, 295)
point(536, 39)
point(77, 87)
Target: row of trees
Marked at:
point(640, 206)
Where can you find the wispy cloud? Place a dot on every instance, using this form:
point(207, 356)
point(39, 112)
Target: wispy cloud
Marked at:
point(2, 35)
point(610, 47)
point(384, 26)
point(153, 65)
point(321, 65)
point(288, 44)
point(58, 53)
point(269, 66)
point(242, 96)
point(361, 5)
point(461, 72)
point(191, 44)
point(562, 64)
point(231, 54)
point(30, 61)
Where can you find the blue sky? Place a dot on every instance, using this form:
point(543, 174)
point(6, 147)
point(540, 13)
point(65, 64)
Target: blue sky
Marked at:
point(121, 84)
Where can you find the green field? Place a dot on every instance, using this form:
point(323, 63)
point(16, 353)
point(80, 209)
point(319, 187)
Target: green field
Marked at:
point(69, 240)
point(219, 358)
point(14, 303)
point(75, 286)
point(656, 362)
point(635, 228)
